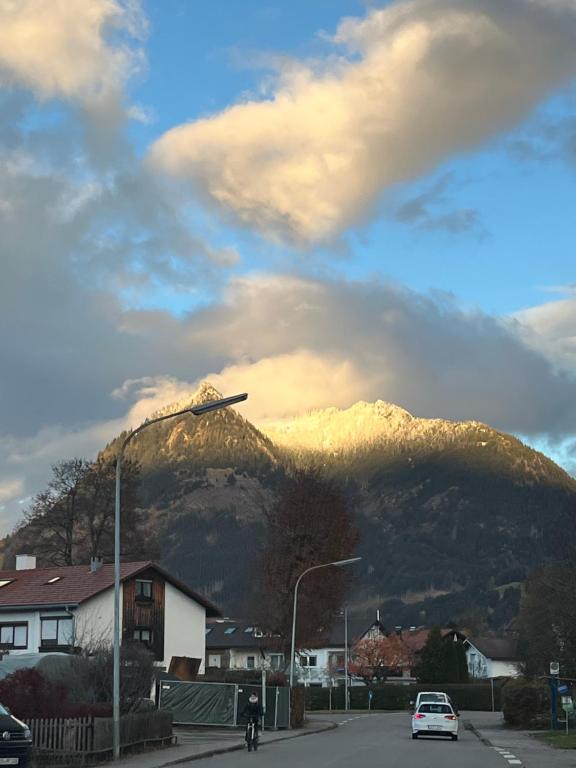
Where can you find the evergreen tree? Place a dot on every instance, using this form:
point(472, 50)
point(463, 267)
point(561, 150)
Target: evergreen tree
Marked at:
point(432, 665)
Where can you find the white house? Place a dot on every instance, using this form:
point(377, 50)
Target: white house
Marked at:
point(63, 608)
point(492, 657)
point(323, 665)
point(233, 644)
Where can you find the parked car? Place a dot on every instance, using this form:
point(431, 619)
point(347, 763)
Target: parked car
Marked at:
point(15, 740)
point(434, 696)
point(435, 719)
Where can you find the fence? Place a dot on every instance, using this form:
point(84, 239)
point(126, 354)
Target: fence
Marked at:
point(221, 703)
point(87, 737)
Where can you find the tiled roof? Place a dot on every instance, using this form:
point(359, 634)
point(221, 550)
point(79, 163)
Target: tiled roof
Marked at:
point(497, 648)
point(74, 584)
point(222, 634)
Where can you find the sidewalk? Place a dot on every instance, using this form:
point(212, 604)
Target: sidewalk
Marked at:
point(532, 753)
point(197, 743)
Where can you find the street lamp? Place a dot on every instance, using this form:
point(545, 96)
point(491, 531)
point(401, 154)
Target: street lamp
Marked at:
point(338, 564)
point(195, 410)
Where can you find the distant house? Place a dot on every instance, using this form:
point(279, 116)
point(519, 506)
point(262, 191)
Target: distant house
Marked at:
point(66, 608)
point(234, 644)
point(492, 657)
point(323, 665)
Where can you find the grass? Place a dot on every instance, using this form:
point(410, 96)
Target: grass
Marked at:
point(558, 739)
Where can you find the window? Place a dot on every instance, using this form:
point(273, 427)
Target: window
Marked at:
point(14, 635)
point(208, 630)
point(308, 661)
point(276, 660)
point(56, 632)
point(436, 709)
point(143, 635)
point(143, 590)
point(250, 662)
point(54, 580)
point(4, 582)
point(215, 660)
point(229, 630)
point(249, 629)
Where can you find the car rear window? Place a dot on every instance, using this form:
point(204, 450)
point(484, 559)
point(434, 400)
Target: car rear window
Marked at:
point(435, 709)
point(432, 697)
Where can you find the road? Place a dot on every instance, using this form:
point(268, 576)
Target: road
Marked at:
point(365, 741)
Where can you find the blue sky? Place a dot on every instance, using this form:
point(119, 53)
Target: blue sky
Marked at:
point(328, 200)
point(203, 58)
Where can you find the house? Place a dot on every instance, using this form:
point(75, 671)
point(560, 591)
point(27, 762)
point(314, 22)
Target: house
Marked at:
point(233, 644)
point(490, 657)
point(66, 608)
point(323, 665)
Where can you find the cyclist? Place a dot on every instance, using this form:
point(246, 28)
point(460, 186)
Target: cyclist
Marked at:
point(252, 712)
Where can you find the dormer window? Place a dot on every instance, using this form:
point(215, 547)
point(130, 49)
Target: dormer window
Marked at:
point(5, 582)
point(143, 590)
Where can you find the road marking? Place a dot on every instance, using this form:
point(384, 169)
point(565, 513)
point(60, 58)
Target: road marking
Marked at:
point(508, 756)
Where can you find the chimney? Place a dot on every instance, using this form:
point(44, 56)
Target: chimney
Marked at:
point(25, 562)
point(95, 564)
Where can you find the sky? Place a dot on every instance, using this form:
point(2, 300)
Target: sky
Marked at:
point(315, 201)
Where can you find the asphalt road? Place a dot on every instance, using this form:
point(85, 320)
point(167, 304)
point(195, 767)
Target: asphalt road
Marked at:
point(366, 741)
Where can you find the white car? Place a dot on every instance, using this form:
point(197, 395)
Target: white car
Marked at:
point(437, 697)
point(435, 719)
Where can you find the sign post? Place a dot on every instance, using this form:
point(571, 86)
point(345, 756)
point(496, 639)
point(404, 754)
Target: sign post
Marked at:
point(554, 672)
point(568, 707)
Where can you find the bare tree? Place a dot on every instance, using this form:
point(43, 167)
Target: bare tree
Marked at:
point(309, 525)
point(73, 519)
point(371, 658)
point(54, 519)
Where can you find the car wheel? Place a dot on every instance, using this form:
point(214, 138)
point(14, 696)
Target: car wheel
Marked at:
point(454, 737)
point(414, 735)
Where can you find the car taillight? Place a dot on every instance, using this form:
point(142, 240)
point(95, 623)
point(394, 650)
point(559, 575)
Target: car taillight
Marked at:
point(450, 717)
point(418, 716)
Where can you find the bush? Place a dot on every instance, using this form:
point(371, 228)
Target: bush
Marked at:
point(526, 704)
point(29, 696)
point(472, 696)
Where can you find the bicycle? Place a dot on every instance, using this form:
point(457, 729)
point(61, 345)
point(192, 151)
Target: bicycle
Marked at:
point(251, 735)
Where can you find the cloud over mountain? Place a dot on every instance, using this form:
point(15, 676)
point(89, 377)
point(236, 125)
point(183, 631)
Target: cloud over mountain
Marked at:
point(420, 80)
point(60, 48)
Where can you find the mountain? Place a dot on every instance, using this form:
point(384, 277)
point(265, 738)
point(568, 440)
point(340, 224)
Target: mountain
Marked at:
point(452, 515)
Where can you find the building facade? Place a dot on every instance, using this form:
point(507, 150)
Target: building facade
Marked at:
point(71, 608)
point(490, 657)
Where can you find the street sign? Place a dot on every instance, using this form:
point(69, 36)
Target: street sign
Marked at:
point(562, 689)
point(554, 668)
point(567, 704)
point(370, 695)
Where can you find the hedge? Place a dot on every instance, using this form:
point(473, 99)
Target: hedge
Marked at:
point(526, 704)
point(471, 696)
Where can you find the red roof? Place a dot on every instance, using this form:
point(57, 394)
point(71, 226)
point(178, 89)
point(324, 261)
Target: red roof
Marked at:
point(76, 584)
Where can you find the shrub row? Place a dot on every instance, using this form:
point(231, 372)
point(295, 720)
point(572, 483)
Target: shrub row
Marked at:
point(471, 696)
point(526, 704)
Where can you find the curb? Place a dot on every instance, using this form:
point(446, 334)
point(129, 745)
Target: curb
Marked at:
point(471, 727)
point(238, 747)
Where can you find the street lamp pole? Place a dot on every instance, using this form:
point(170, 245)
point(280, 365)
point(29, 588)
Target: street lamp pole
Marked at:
point(338, 564)
point(346, 658)
point(195, 410)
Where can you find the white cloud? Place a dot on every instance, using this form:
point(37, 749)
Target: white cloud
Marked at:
point(551, 328)
point(424, 79)
point(59, 48)
point(10, 489)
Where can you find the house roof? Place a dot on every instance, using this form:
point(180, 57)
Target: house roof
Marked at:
point(497, 648)
point(222, 634)
point(415, 639)
point(75, 584)
point(357, 628)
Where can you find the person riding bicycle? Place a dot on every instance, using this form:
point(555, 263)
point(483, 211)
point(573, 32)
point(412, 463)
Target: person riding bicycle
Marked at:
point(253, 713)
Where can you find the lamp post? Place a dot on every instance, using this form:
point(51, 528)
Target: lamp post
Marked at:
point(195, 410)
point(346, 658)
point(337, 564)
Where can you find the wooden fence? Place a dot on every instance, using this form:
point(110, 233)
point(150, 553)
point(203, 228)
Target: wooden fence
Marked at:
point(92, 736)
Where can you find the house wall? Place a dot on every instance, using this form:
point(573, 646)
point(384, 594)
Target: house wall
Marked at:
point(95, 619)
point(482, 667)
point(321, 673)
point(185, 627)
